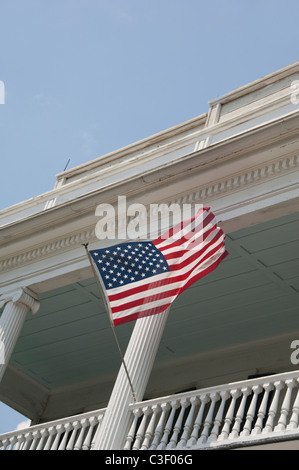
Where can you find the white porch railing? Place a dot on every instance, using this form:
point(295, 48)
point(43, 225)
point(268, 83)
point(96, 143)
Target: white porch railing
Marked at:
point(74, 433)
point(232, 415)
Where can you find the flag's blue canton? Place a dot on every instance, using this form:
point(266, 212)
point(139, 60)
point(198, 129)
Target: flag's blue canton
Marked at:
point(128, 262)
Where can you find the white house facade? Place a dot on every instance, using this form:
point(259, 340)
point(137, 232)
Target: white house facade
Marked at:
point(219, 369)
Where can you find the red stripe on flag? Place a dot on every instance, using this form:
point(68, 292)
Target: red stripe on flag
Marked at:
point(162, 308)
point(167, 280)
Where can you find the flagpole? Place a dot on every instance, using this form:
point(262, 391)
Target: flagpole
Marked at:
point(110, 319)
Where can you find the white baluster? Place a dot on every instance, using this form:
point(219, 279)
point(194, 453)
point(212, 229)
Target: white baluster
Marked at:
point(174, 405)
point(273, 408)
point(262, 409)
point(178, 425)
point(245, 391)
point(52, 432)
point(131, 434)
point(36, 437)
point(67, 429)
point(20, 443)
point(13, 441)
point(44, 434)
point(159, 429)
point(93, 421)
point(293, 424)
point(27, 440)
point(70, 444)
point(235, 393)
point(83, 423)
point(59, 430)
point(188, 424)
point(141, 430)
point(214, 397)
point(100, 420)
point(5, 443)
point(251, 412)
point(285, 407)
point(224, 394)
point(194, 436)
point(150, 429)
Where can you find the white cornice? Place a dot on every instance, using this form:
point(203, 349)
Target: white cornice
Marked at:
point(149, 145)
point(204, 194)
point(227, 150)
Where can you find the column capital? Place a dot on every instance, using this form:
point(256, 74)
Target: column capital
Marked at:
point(21, 295)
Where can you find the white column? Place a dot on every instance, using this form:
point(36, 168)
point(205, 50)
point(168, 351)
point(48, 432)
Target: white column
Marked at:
point(16, 305)
point(139, 359)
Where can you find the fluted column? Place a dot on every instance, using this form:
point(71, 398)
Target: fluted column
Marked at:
point(16, 304)
point(139, 359)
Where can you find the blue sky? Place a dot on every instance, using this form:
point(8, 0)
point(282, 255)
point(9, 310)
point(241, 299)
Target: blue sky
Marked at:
point(85, 77)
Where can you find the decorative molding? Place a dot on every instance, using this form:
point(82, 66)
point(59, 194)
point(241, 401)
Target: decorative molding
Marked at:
point(251, 177)
point(21, 295)
point(240, 181)
point(48, 249)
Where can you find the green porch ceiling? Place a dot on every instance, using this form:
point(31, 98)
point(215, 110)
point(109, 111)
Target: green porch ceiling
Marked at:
point(252, 295)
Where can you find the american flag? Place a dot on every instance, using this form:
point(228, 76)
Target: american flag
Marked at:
point(143, 278)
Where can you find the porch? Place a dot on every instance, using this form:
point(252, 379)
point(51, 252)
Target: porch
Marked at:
point(65, 358)
point(241, 159)
point(235, 415)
